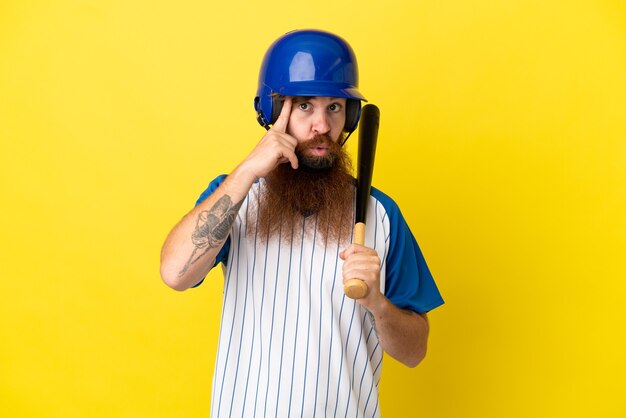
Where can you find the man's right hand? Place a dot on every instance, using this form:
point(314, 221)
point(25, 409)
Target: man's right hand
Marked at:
point(275, 148)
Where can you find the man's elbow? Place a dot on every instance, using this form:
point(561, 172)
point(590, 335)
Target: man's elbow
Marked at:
point(173, 279)
point(414, 360)
point(418, 354)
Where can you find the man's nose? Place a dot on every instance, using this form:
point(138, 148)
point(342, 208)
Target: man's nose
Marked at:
point(321, 123)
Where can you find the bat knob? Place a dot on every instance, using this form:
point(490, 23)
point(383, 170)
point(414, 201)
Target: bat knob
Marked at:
point(355, 289)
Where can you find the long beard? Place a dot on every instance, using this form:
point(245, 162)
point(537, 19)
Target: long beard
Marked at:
point(322, 187)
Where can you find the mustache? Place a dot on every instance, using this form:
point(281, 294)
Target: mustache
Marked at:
point(316, 141)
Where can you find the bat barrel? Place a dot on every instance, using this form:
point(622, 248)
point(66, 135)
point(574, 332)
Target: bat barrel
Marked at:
point(368, 133)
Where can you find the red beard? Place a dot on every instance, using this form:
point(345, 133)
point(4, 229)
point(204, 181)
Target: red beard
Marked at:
point(322, 186)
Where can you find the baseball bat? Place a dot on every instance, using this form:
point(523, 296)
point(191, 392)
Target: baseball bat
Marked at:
point(368, 134)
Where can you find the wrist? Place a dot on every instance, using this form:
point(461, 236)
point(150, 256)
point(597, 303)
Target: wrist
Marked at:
point(379, 305)
point(242, 174)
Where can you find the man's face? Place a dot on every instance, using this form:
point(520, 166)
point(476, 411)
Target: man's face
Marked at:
point(315, 120)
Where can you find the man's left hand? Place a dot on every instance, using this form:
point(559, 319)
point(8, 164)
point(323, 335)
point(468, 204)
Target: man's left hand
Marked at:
point(363, 263)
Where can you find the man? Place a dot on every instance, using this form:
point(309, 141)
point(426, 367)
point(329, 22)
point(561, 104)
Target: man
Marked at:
point(291, 343)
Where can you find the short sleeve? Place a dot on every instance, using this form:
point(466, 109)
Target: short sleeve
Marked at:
point(408, 283)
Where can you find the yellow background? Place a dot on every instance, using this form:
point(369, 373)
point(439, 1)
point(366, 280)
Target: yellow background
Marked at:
point(503, 138)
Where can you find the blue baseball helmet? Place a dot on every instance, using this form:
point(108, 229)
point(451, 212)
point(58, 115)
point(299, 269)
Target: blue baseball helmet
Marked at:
point(308, 63)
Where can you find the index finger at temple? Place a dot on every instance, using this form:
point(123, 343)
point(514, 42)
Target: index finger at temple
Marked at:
point(283, 119)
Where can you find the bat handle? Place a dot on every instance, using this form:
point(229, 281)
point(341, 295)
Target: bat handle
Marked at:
point(356, 288)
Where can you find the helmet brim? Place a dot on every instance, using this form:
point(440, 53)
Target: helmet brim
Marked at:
point(319, 89)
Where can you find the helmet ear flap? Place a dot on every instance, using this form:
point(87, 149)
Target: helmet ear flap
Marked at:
point(353, 113)
point(259, 113)
point(277, 107)
point(268, 109)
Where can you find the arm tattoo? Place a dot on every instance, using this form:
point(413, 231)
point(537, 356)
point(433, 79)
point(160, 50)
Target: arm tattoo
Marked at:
point(212, 227)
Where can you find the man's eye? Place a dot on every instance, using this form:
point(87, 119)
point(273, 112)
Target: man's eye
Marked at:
point(303, 106)
point(334, 107)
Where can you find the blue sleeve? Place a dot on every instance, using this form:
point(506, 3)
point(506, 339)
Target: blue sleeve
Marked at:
point(409, 283)
point(222, 256)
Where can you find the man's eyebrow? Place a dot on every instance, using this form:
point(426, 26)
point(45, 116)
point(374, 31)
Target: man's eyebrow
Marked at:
point(300, 99)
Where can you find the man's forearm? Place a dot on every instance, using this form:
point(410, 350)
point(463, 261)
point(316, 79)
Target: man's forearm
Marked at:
point(191, 247)
point(403, 334)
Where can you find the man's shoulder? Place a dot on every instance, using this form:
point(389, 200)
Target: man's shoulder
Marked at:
point(213, 185)
point(390, 205)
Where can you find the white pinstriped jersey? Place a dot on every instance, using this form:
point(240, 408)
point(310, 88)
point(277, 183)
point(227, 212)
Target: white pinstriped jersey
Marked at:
point(291, 344)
